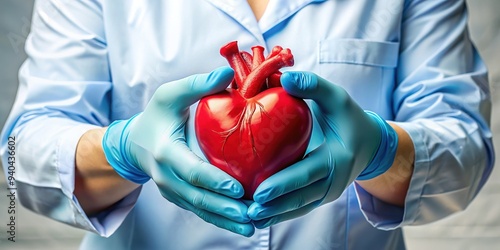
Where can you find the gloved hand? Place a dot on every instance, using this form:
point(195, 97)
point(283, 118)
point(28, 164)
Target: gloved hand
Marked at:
point(152, 145)
point(357, 144)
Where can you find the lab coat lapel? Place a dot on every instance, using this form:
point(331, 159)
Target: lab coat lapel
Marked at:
point(279, 10)
point(241, 12)
point(276, 11)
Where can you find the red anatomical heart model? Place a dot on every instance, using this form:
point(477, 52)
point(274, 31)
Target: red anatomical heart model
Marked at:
point(253, 129)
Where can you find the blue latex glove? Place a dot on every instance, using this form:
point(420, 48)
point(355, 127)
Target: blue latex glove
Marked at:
point(357, 145)
point(152, 145)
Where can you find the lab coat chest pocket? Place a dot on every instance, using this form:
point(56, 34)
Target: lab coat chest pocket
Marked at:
point(366, 69)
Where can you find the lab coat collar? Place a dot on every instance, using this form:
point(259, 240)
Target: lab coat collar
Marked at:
point(279, 10)
point(276, 12)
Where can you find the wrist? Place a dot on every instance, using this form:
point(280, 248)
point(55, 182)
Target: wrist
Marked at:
point(89, 156)
point(116, 150)
point(385, 153)
point(97, 185)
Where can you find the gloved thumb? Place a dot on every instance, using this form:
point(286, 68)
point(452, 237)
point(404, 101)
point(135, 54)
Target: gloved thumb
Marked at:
point(183, 93)
point(308, 85)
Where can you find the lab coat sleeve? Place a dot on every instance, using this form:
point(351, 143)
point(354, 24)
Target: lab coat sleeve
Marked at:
point(63, 92)
point(442, 100)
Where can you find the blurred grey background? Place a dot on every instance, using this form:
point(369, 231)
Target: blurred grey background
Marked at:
point(476, 228)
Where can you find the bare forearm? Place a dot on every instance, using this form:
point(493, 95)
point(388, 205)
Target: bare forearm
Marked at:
point(392, 186)
point(97, 185)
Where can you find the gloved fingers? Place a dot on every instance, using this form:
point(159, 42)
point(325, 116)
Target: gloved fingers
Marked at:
point(180, 94)
point(315, 166)
point(243, 228)
point(286, 216)
point(295, 200)
point(187, 166)
point(190, 197)
point(308, 85)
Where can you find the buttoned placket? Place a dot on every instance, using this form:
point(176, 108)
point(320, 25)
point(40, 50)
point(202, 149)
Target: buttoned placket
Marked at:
point(264, 239)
